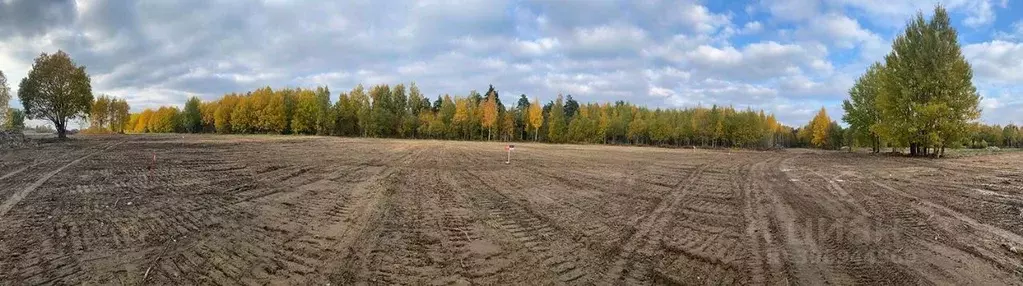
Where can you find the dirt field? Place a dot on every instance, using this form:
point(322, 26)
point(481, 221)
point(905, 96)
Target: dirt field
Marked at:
point(308, 210)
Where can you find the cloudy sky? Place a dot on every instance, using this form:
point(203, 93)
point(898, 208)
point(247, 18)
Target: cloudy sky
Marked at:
point(790, 57)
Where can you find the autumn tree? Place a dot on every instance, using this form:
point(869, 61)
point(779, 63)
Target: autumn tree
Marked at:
point(225, 109)
point(535, 118)
point(773, 131)
point(142, 124)
point(306, 113)
point(508, 124)
point(167, 119)
point(460, 120)
point(133, 119)
point(98, 116)
point(243, 116)
point(489, 111)
point(118, 113)
point(208, 110)
point(270, 112)
point(638, 127)
point(56, 89)
point(819, 129)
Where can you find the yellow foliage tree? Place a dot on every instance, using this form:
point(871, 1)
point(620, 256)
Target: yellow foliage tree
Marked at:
point(98, 112)
point(462, 113)
point(143, 122)
point(133, 119)
point(508, 125)
point(489, 107)
point(819, 128)
point(535, 118)
point(208, 111)
point(222, 116)
point(773, 127)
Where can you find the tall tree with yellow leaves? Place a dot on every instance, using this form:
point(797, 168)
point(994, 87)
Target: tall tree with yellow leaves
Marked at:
point(489, 107)
point(142, 124)
point(98, 112)
point(208, 110)
point(460, 121)
point(819, 127)
point(119, 115)
point(508, 124)
point(535, 118)
point(222, 116)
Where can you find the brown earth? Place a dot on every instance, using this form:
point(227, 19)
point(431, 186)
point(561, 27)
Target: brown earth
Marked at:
point(310, 210)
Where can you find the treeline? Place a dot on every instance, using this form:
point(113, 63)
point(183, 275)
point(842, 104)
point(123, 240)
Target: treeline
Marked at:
point(983, 136)
point(107, 115)
point(403, 112)
point(921, 96)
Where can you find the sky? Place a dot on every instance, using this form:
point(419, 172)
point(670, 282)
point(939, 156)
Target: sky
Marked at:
point(789, 57)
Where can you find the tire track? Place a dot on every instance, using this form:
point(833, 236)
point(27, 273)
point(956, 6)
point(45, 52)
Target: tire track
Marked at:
point(566, 260)
point(626, 261)
point(947, 219)
point(796, 252)
point(704, 246)
point(20, 195)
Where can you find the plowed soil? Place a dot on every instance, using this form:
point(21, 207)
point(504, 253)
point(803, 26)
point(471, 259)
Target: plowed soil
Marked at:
point(310, 210)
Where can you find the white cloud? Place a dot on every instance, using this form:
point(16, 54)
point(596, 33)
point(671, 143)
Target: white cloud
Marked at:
point(1015, 32)
point(792, 10)
point(981, 14)
point(710, 56)
point(756, 61)
point(608, 39)
point(1001, 107)
point(752, 27)
point(537, 47)
point(702, 19)
point(989, 103)
point(978, 13)
point(996, 61)
point(323, 78)
point(845, 32)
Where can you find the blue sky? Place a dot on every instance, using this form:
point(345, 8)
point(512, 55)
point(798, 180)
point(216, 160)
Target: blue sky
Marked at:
point(789, 57)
